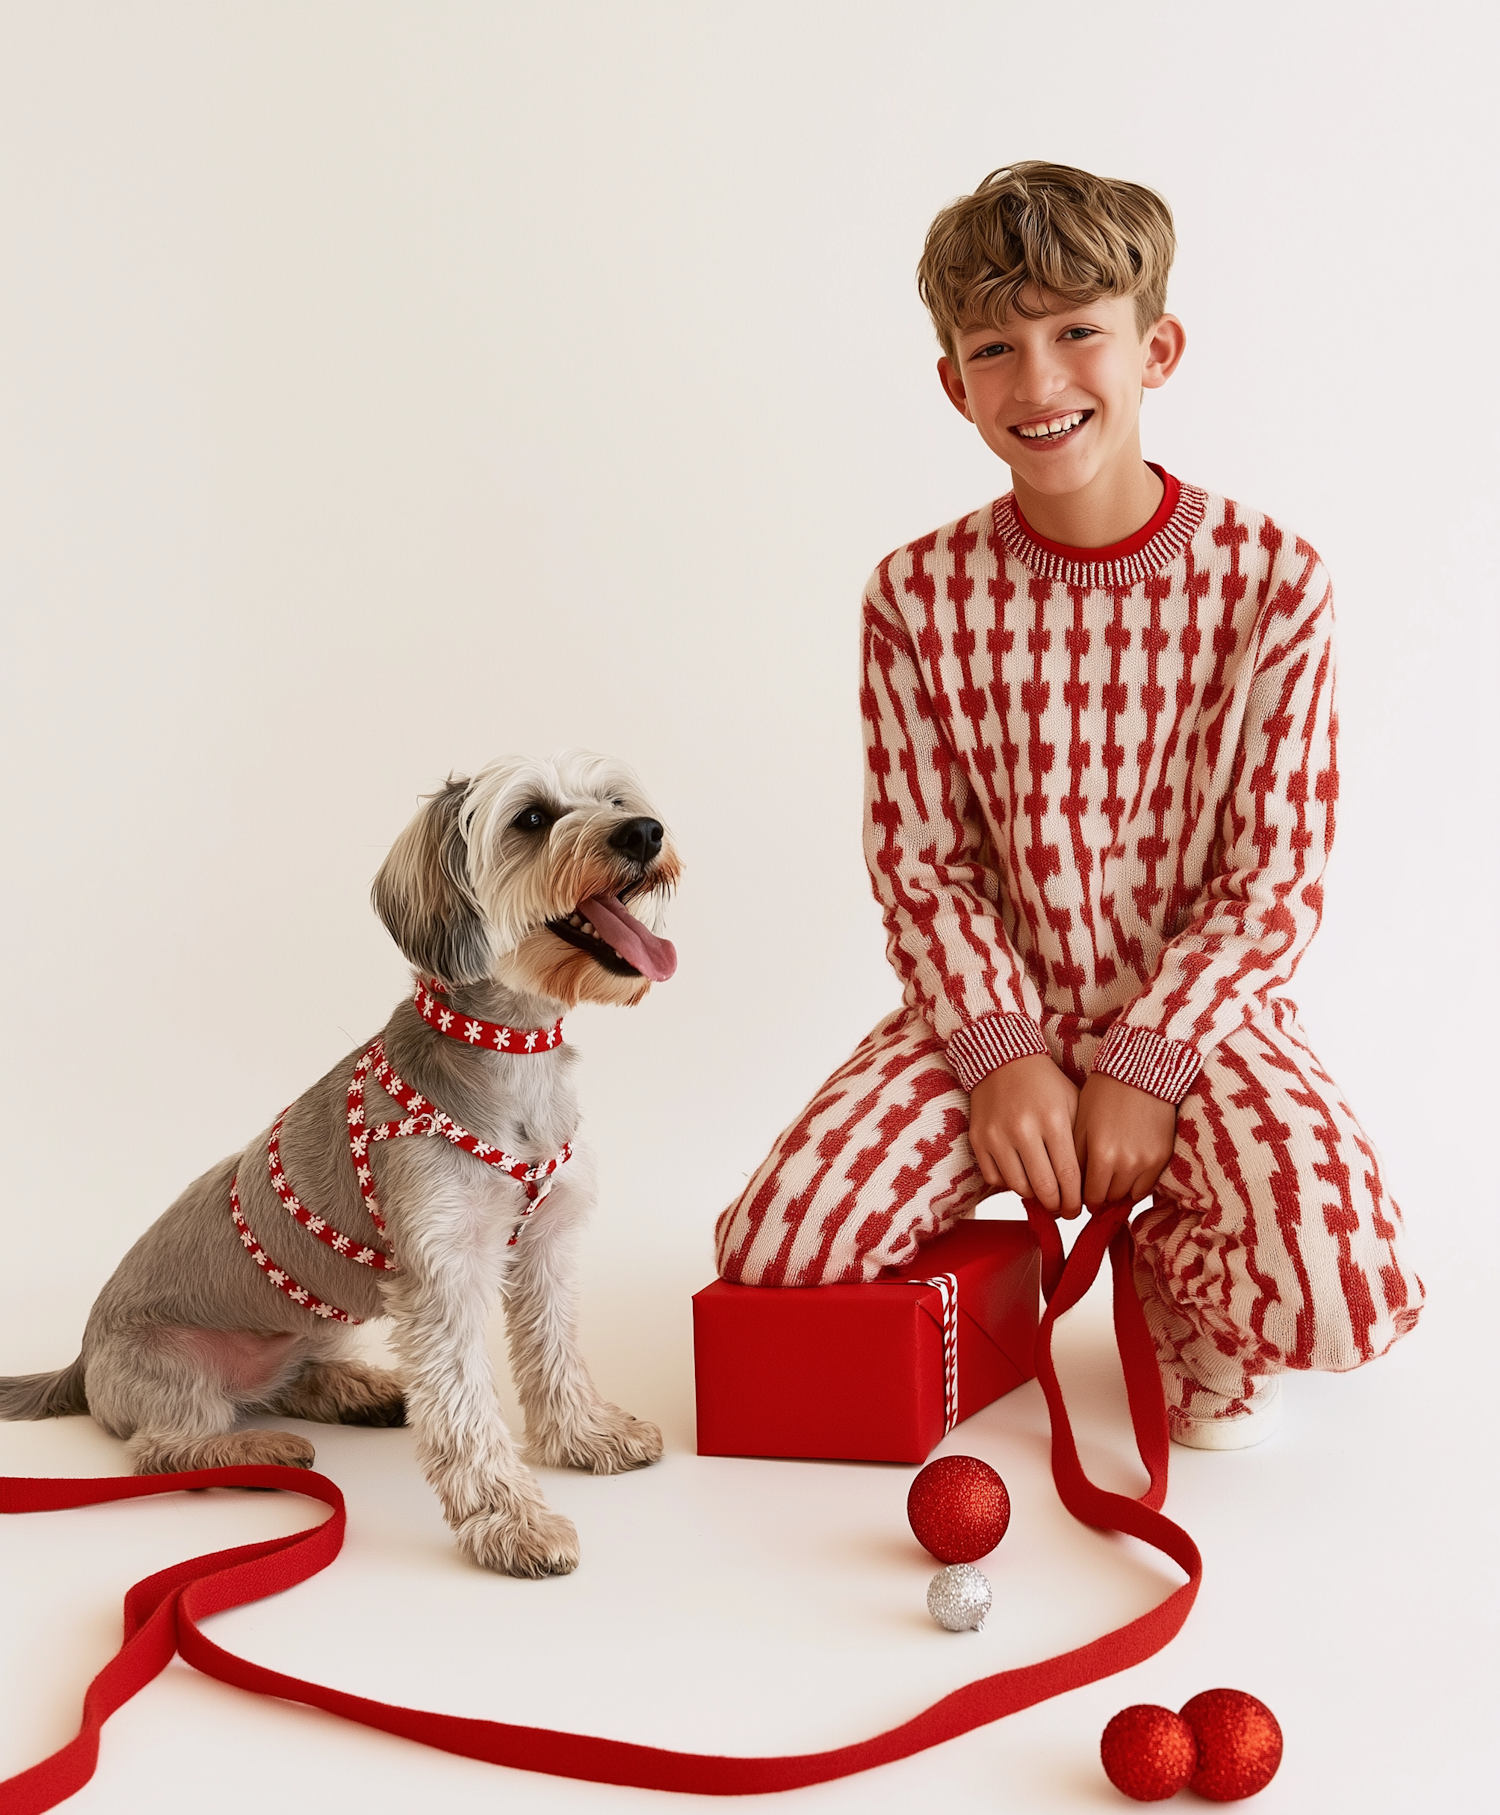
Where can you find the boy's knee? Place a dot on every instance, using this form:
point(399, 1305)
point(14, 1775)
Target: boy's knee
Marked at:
point(1361, 1309)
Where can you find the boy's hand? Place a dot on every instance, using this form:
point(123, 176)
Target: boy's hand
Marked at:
point(1021, 1131)
point(1123, 1137)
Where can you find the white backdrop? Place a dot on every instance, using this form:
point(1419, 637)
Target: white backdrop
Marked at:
point(387, 386)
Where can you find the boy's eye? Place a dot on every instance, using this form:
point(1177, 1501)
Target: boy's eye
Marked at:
point(987, 352)
point(1079, 333)
point(532, 819)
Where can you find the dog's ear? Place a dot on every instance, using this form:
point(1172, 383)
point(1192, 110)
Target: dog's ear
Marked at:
point(422, 893)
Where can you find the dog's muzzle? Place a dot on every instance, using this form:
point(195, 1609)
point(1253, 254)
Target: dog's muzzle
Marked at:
point(605, 929)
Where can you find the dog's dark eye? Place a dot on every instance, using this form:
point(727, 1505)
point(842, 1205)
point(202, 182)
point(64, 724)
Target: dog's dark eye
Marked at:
point(532, 819)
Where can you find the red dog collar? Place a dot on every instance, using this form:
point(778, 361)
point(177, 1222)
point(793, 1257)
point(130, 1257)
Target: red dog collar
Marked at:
point(493, 1036)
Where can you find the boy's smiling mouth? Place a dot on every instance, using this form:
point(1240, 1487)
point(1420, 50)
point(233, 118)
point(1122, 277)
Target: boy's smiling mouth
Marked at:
point(1049, 431)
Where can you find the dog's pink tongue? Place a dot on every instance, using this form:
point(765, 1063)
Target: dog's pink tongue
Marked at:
point(638, 945)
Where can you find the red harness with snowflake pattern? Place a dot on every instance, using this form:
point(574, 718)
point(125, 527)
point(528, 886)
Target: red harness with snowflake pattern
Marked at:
point(423, 1117)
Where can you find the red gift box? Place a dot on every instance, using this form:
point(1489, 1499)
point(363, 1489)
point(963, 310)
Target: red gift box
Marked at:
point(867, 1373)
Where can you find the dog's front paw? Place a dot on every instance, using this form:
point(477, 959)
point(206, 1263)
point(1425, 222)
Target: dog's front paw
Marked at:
point(526, 1539)
point(609, 1443)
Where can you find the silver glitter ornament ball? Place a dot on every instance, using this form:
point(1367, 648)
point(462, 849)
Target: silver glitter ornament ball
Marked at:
point(959, 1597)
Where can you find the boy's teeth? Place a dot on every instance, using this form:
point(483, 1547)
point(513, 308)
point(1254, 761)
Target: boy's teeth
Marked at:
point(1035, 431)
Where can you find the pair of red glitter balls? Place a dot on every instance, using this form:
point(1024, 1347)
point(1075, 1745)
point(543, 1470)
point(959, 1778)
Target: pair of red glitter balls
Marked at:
point(1224, 1745)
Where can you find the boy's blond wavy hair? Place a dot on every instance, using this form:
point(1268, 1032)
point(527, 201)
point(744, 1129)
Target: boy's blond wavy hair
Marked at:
point(1050, 229)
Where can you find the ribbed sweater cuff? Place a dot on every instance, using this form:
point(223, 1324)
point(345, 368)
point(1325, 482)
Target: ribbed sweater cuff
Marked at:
point(990, 1042)
point(1161, 1067)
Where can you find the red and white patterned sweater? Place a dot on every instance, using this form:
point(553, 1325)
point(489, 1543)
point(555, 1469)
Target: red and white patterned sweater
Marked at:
point(1100, 784)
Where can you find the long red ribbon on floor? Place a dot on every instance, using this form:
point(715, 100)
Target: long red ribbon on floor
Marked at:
point(162, 1613)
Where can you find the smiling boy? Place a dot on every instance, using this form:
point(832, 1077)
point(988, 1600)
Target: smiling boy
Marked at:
point(1100, 788)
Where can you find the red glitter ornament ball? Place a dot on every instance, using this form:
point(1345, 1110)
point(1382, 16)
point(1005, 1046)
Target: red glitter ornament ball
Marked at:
point(1239, 1744)
point(1149, 1753)
point(958, 1508)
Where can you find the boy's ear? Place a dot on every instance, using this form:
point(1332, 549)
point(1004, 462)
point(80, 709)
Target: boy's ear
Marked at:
point(422, 893)
point(952, 382)
point(1166, 340)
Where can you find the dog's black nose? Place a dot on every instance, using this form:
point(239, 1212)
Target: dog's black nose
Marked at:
point(639, 839)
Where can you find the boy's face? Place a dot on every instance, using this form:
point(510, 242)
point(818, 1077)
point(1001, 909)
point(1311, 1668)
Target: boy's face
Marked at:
point(1058, 398)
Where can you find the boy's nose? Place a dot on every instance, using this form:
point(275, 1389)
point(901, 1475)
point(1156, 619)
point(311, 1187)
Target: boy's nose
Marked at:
point(1038, 381)
point(639, 839)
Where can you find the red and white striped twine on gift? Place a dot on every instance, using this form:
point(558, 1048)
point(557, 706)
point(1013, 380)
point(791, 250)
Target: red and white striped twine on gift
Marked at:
point(423, 1117)
point(947, 1285)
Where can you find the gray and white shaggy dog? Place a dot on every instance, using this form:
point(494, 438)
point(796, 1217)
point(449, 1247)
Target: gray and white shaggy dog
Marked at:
point(501, 893)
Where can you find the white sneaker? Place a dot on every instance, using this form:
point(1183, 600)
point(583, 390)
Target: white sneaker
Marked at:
point(1242, 1431)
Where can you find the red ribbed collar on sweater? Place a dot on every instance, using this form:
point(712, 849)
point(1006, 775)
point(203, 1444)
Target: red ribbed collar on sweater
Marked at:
point(1154, 545)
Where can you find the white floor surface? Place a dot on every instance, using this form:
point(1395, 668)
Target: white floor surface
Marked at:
point(755, 1606)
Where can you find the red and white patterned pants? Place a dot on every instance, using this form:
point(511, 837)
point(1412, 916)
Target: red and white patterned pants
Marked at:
point(1271, 1242)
